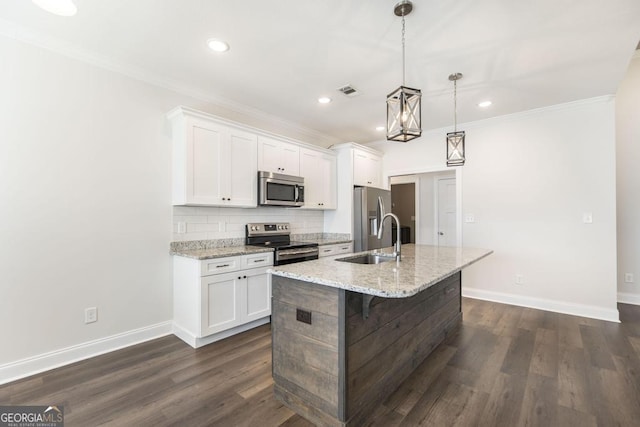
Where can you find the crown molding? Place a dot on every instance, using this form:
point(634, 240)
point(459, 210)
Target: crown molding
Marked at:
point(29, 36)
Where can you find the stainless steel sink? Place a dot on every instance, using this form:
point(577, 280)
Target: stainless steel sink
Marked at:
point(368, 259)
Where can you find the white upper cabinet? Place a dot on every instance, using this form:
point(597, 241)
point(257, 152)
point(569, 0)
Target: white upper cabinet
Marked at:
point(367, 169)
point(214, 164)
point(319, 172)
point(278, 156)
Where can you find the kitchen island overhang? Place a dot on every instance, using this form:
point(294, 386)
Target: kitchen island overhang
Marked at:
point(332, 362)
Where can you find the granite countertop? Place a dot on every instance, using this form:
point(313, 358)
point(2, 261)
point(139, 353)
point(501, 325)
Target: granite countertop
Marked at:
point(221, 252)
point(421, 267)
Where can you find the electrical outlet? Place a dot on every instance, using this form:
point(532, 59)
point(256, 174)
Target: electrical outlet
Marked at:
point(519, 280)
point(469, 218)
point(587, 218)
point(90, 315)
point(628, 277)
point(182, 227)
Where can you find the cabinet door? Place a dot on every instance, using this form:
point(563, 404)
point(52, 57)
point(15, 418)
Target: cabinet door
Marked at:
point(258, 301)
point(310, 169)
point(205, 159)
point(319, 172)
point(278, 156)
point(290, 159)
point(242, 169)
point(220, 302)
point(328, 172)
point(269, 155)
point(367, 169)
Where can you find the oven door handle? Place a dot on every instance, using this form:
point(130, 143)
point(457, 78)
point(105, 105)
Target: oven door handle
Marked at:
point(294, 252)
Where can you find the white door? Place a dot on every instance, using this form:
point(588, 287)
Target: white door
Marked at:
point(447, 212)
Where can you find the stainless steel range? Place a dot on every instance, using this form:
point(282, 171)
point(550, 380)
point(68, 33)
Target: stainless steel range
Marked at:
point(277, 235)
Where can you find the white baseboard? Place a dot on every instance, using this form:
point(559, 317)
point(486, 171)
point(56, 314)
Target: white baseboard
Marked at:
point(196, 342)
point(544, 304)
point(55, 359)
point(628, 298)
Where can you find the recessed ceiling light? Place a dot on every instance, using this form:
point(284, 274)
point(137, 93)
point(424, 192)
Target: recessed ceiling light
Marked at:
point(484, 104)
point(218, 45)
point(380, 128)
point(324, 100)
point(57, 7)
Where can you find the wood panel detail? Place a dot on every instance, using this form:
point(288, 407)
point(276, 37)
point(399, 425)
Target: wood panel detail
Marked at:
point(338, 369)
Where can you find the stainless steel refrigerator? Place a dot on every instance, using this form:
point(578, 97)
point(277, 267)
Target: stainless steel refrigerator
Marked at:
point(367, 215)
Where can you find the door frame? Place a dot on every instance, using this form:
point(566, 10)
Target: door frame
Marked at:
point(409, 179)
point(459, 176)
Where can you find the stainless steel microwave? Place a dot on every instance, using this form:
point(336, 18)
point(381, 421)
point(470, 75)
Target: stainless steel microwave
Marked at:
point(275, 189)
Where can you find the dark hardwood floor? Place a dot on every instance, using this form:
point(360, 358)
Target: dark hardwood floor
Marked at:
point(505, 366)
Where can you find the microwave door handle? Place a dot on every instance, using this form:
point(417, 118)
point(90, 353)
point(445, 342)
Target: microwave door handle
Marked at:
point(296, 196)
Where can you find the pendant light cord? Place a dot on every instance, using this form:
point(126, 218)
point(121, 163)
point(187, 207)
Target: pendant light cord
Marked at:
point(455, 105)
point(403, 51)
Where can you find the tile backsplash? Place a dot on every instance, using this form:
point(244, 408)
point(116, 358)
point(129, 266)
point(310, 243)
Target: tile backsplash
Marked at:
point(205, 223)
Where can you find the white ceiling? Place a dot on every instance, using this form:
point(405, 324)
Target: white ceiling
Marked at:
point(285, 54)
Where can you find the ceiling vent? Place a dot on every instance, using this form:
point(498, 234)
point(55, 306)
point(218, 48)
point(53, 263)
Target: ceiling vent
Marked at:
point(349, 91)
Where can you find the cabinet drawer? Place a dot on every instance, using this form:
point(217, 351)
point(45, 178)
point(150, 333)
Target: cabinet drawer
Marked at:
point(326, 251)
point(220, 265)
point(264, 259)
point(329, 250)
point(345, 248)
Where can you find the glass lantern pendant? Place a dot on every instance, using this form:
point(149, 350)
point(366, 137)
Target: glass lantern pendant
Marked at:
point(455, 148)
point(455, 139)
point(403, 114)
point(404, 111)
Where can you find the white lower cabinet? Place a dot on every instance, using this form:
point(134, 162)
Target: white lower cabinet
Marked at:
point(337, 249)
point(216, 298)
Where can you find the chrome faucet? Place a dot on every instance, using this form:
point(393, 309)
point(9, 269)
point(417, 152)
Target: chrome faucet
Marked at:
point(397, 253)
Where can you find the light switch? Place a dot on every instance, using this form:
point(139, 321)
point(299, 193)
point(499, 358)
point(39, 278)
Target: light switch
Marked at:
point(469, 218)
point(628, 277)
point(587, 217)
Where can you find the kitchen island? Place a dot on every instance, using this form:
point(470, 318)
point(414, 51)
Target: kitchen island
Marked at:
point(346, 335)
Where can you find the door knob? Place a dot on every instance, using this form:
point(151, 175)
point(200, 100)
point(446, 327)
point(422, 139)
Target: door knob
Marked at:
point(441, 233)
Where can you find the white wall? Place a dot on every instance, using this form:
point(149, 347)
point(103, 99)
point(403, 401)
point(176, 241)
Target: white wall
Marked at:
point(85, 207)
point(528, 179)
point(628, 181)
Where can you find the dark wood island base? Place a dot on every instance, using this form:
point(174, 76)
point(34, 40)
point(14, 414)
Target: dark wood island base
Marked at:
point(332, 365)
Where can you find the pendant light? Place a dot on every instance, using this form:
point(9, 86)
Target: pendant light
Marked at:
point(403, 104)
point(455, 139)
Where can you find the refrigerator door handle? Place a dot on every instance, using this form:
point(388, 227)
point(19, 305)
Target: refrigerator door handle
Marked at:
point(379, 213)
